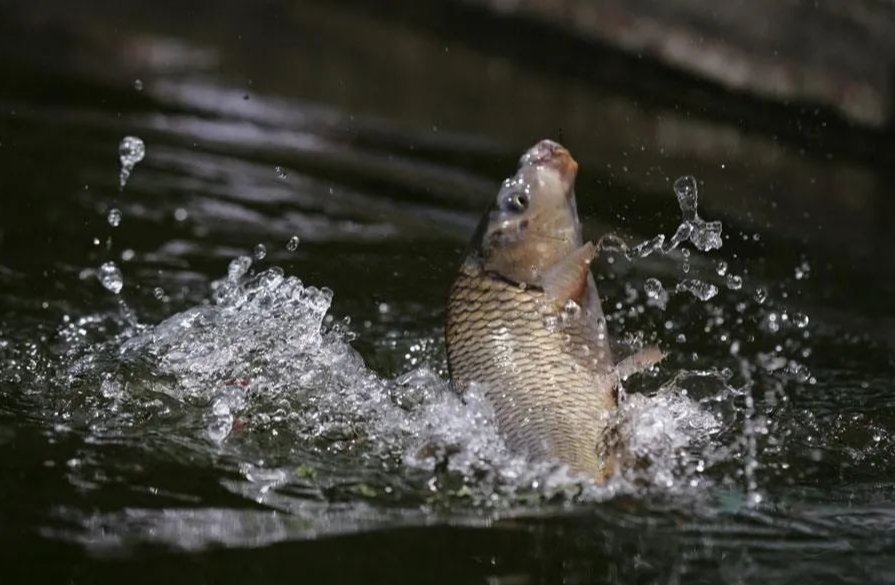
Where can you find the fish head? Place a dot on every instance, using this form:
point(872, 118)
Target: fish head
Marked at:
point(533, 223)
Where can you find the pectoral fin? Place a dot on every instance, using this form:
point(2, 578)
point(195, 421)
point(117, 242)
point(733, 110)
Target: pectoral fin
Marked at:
point(639, 362)
point(567, 279)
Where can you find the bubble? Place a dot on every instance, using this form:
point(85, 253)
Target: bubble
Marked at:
point(138, 85)
point(180, 214)
point(158, 292)
point(131, 150)
point(699, 289)
point(761, 295)
point(802, 271)
point(280, 172)
point(734, 282)
point(110, 277)
point(260, 252)
point(292, 244)
point(801, 320)
point(114, 217)
point(721, 268)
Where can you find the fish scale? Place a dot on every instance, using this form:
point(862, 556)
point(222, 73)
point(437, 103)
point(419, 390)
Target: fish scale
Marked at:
point(549, 387)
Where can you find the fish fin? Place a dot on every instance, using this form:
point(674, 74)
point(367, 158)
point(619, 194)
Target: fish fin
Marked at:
point(639, 362)
point(567, 279)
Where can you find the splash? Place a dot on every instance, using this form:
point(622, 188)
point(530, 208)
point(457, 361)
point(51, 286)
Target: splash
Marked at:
point(704, 235)
point(260, 361)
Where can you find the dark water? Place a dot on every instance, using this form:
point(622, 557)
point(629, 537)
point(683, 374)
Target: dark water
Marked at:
point(291, 422)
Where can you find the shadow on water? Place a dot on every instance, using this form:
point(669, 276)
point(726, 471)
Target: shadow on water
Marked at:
point(223, 421)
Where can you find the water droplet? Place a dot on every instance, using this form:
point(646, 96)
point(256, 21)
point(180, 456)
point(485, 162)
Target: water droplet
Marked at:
point(571, 309)
point(734, 282)
point(706, 235)
point(260, 252)
point(130, 152)
point(646, 248)
point(238, 267)
point(180, 214)
point(653, 288)
point(802, 271)
point(281, 173)
point(292, 244)
point(681, 338)
point(721, 268)
point(114, 217)
point(801, 320)
point(138, 85)
point(552, 323)
point(699, 289)
point(761, 295)
point(685, 189)
point(110, 277)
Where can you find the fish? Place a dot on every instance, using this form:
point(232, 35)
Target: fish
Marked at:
point(524, 322)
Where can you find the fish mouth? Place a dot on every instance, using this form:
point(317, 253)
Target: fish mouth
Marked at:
point(554, 155)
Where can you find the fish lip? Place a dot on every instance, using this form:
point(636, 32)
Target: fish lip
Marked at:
point(551, 154)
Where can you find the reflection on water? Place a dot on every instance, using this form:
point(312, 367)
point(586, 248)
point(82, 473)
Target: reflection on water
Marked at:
point(242, 349)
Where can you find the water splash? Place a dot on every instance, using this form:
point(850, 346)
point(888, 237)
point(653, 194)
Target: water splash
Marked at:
point(261, 361)
point(703, 235)
point(131, 151)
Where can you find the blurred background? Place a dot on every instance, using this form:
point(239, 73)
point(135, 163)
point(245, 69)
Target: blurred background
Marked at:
point(355, 144)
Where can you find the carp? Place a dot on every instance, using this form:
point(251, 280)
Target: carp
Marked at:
point(524, 321)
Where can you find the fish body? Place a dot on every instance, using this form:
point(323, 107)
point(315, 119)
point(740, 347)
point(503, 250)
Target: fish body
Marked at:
point(524, 321)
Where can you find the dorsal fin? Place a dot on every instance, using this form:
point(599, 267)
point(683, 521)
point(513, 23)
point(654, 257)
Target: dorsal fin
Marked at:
point(567, 279)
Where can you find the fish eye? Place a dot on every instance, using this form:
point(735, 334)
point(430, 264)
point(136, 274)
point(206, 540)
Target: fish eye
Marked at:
point(516, 202)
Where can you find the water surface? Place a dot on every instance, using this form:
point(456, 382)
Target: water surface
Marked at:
point(266, 395)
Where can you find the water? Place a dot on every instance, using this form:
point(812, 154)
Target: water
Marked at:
point(243, 376)
point(130, 151)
